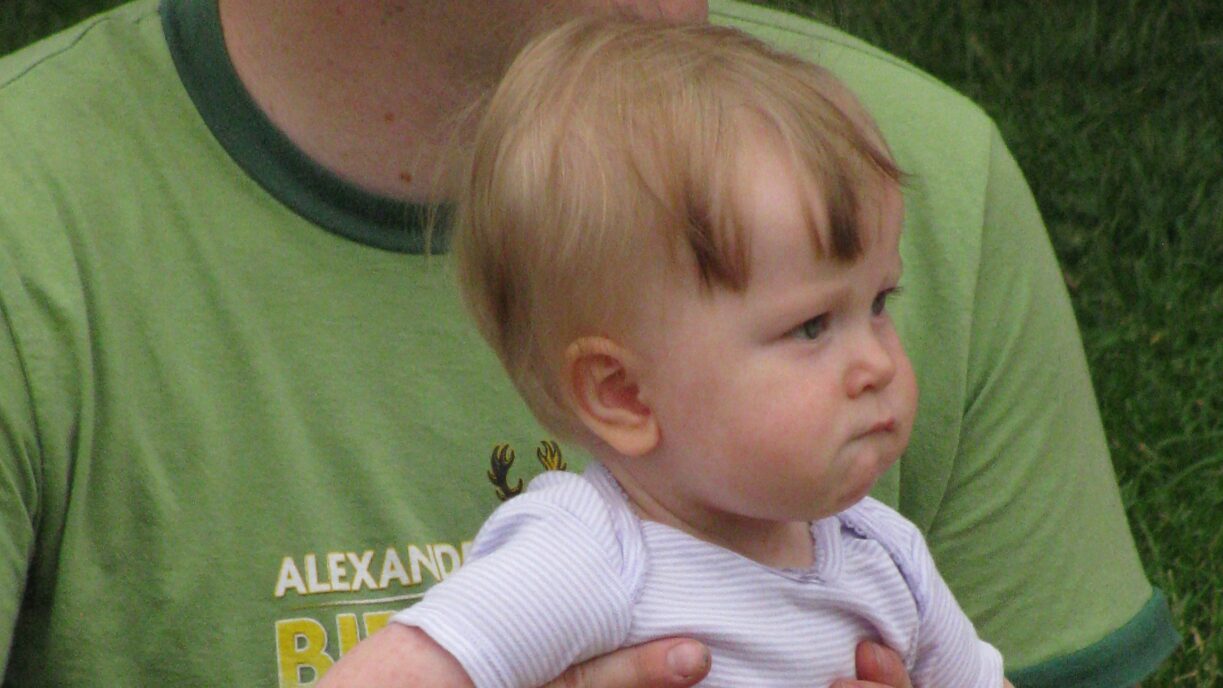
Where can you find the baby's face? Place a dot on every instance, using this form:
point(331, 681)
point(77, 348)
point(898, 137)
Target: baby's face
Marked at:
point(787, 401)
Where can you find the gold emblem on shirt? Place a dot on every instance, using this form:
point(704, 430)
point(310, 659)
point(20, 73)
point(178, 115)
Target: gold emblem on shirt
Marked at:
point(548, 453)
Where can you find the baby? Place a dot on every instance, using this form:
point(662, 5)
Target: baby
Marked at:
point(682, 243)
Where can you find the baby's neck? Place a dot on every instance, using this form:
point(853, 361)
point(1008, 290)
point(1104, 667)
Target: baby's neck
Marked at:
point(777, 544)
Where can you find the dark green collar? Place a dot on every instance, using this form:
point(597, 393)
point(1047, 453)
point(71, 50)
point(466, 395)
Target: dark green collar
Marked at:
point(193, 33)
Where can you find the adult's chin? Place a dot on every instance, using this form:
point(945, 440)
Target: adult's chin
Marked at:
point(678, 11)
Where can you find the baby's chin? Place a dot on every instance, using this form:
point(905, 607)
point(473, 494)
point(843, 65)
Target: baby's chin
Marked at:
point(856, 496)
point(866, 483)
point(834, 503)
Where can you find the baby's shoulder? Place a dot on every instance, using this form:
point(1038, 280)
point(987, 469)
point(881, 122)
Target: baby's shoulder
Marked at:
point(873, 520)
point(587, 511)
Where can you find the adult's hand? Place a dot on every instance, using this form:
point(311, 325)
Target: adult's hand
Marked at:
point(666, 663)
point(878, 666)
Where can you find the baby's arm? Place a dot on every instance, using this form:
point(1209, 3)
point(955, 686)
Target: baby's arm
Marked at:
point(395, 656)
point(401, 655)
point(548, 583)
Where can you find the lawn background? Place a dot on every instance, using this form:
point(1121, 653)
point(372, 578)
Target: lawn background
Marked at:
point(1114, 109)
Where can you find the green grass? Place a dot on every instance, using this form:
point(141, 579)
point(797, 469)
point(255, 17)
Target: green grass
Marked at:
point(23, 21)
point(1112, 108)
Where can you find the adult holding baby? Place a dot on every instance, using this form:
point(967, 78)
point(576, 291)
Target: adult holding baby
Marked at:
point(239, 408)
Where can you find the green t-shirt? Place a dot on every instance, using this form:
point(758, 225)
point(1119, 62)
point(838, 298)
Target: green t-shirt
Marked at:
point(243, 418)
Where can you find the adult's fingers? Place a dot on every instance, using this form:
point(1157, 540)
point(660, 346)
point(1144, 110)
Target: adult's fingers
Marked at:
point(666, 663)
point(878, 667)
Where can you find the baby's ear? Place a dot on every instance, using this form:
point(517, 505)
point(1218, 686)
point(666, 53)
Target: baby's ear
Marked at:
point(602, 382)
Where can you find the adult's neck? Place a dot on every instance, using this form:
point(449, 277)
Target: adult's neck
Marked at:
point(372, 91)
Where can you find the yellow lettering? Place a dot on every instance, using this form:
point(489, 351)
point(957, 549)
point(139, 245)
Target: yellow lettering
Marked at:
point(376, 621)
point(346, 624)
point(289, 577)
point(301, 652)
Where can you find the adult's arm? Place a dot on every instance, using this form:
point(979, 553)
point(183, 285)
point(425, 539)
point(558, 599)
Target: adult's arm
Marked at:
point(19, 471)
point(1032, 488)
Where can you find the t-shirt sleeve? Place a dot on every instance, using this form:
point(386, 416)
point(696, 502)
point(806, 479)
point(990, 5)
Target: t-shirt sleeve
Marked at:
point(44, 374)
point(1032, 490)
point(18, 468)
point(41, 379)
point(549, 583)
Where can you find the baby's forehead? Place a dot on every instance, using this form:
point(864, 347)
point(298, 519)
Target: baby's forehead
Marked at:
point(842, 205)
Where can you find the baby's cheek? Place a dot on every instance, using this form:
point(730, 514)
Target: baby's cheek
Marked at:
point(700, 410)
point(777, 426)
point(907, 391)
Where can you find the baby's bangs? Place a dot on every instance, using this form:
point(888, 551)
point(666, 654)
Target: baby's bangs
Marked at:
point(838, 154)
point(684, 159)
point(716, 235)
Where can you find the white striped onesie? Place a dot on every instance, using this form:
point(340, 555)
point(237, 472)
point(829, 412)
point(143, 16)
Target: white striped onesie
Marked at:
point(566, 571)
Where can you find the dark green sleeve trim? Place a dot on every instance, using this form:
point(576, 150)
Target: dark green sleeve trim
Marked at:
point(1123, 658)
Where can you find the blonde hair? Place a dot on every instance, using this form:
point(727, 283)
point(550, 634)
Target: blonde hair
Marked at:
point(610, 141)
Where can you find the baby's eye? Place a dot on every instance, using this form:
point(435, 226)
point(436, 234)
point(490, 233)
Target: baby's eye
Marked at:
point(881, 300)
point(812, 328)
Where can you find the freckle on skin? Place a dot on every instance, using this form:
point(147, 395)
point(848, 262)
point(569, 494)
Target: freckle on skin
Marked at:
point(389, 117)
point(405, 177)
